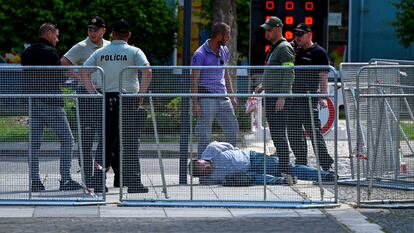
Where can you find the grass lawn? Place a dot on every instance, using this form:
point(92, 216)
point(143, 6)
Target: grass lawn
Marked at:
point(16, 129)
point(13, 129)
point(408, 128)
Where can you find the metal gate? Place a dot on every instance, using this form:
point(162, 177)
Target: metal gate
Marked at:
point(385, 121)
point(49, 143)
point(169, 138)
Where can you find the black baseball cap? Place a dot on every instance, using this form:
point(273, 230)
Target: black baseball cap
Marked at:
point(303, 27)
point(121, 26)
point(96, 22)
point(272, 22)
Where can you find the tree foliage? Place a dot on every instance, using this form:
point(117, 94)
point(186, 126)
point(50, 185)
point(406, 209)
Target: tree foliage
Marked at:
point(404, 25)
point(153, 23)
point(226, 11)
point(243, 20)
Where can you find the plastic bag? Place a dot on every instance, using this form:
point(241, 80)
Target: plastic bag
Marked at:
point(252, 104)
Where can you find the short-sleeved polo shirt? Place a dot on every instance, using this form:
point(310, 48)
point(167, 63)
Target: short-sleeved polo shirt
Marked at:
point(211, 80)
point(113, 59)
point(81, 51)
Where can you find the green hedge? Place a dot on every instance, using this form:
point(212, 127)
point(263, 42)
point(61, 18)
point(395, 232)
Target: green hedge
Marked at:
point(153, 23)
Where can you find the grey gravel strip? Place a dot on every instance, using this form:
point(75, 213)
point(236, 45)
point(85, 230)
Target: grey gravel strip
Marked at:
point(392, 220)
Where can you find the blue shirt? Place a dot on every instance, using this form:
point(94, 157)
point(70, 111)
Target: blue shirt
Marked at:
point(211, 79)
point(226, 160)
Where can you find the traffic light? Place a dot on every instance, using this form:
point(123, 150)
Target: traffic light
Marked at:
point(291, 12)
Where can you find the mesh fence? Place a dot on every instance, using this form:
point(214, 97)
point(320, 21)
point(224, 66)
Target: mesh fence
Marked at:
point(54, 148)
point(382, 129)
point(348, 73)
point(50, 132)
point(61, 151)
point(241, 152)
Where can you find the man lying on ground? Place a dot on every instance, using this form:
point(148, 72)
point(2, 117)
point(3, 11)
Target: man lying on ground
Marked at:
point(221, 163)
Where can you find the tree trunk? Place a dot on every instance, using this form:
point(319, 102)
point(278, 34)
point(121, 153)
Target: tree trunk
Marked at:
point(225, 11)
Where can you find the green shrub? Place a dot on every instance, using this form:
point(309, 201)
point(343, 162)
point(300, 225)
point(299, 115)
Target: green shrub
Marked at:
point(152, 22)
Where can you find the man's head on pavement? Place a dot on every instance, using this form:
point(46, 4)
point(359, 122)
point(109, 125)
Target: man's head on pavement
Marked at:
point(200, 167)
point(121, 30)
point(49, 32)
point(273, 29)
point(96, 29)
point(221, 33)
point(303, 35)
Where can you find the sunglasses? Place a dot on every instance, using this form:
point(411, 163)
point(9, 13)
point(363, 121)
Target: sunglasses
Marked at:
point(300, 33)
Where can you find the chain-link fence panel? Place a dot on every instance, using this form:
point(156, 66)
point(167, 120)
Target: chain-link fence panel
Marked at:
point(348, 72)
point(384, 116)
point(200, 148)
point(51, 132)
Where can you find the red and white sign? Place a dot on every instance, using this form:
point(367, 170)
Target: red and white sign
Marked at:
point(327, 117)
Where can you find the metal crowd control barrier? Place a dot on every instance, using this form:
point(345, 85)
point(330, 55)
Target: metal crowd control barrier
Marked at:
point(398, 62)
point(386, 125)
point(169, 139)
point(348, 72)
point(55, 136)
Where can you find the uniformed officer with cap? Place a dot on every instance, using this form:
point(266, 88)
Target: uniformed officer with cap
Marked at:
point(112, 59)
point(78, 54)
point(278, 81)
point(89, 108)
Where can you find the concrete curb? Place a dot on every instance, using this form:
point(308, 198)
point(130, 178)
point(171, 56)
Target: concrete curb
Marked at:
point(353, 219)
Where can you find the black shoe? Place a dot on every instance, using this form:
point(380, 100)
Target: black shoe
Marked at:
point(37, 186)
point(330, 177)
point(137, 189)
point(66, 185)
point(327, 164)
point(326, 167)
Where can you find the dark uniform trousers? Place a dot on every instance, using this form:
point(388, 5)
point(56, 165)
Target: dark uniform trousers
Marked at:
point(277, 125)
point(90, 112)
point(131, 127)
point(299, 119)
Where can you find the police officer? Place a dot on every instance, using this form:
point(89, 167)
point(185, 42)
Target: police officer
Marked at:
point(113, 58)
point(312, 81)
point(89, 108)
